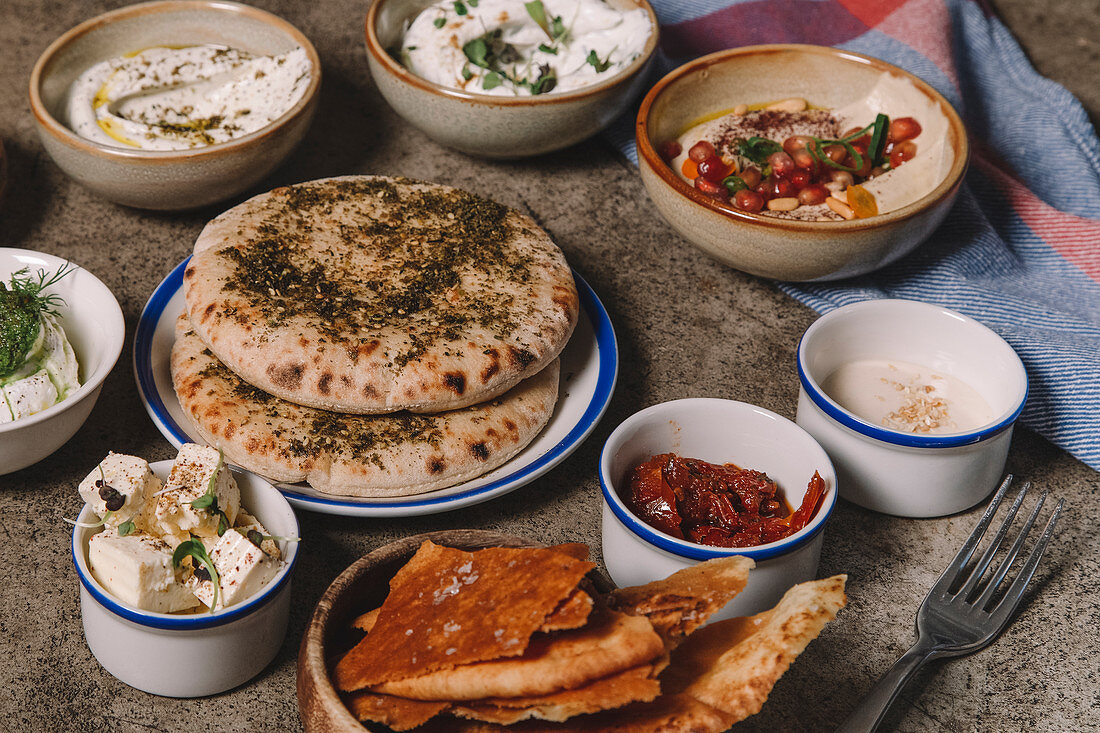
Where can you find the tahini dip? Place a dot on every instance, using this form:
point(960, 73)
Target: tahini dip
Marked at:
point(907, 397)
point(512, 48)
point(165, 98)
point(891, 95)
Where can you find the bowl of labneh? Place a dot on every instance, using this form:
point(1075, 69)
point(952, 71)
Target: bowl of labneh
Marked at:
point(508, 78)
point(915, 404)
point(799, 162)
point(184, 569)
point(61, 333)
point(177, 104)
point(695, 479)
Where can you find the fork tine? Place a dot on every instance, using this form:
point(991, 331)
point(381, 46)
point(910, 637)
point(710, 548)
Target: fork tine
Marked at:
point(987, 557)
point(1004, 610)
point(1006, 564)
point(951, 572)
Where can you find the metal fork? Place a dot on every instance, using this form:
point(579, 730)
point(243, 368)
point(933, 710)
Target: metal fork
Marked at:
point(952, 622)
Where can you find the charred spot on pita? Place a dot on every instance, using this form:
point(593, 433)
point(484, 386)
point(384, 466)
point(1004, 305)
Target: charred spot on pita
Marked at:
point(286, 376)
point(455, 381)
point(479, 451)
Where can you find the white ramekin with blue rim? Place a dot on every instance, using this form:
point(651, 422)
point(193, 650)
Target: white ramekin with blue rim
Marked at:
point(194, 654)
point(900, 473)
point(718, 431)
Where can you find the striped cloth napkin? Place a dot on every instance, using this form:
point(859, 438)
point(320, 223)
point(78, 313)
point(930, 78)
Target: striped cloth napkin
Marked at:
point(1020, 251)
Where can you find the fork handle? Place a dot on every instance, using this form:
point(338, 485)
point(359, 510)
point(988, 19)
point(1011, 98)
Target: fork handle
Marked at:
point(866, 717)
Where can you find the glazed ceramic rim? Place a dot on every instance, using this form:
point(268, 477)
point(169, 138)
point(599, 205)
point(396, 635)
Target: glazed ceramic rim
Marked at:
point(895, 437)
point(175, 621)
point(114, 324)
point(380, 55)
point(68, 137)
point(692, 550)
point(945, 189)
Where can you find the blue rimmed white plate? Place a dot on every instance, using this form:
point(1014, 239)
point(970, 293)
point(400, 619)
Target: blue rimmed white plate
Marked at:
point(589, 367)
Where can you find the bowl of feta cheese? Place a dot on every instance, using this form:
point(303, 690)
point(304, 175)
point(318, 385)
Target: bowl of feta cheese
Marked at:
point(186, 560)
point(61, 333)
point(509, 78)
point(176, 104)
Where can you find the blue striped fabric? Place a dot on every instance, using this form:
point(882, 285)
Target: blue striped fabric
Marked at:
point(1000, 255)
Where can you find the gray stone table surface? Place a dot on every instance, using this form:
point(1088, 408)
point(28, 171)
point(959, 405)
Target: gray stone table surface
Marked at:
point(686, 327)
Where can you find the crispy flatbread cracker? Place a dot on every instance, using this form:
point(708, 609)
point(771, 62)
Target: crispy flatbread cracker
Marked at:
point(732, 665)
point(577, 550)
point(366, 621)
point(448, 607)
point(638, 684)
point(610, 643)
point(395, 712)
point(571, 613)
point(684, 601)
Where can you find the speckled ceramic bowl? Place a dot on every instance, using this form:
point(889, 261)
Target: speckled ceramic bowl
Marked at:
point(491, 126)
point(167, 180)
point(763, 245)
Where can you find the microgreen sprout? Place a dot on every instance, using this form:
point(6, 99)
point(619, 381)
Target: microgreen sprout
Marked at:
point(599, 66)
point(256, 537)
point(126, 528)
point(195, 549)
point(209, 500)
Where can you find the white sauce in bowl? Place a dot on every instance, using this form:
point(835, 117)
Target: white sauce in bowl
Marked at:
point(581, 43)
point(165, 98)
point(907, 397)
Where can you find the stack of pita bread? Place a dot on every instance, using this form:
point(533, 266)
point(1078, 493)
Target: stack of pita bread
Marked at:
point(517, 639)
point(372, 336)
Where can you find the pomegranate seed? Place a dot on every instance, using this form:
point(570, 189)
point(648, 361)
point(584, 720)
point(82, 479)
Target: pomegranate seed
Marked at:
point(903, 151)
point(748, 201)
point(800, 178)
point(782, 188)
point(714, 169)
point(765, 189)
point(700, 151)
point(843, 177)
point(813, 194)
point(712, 189)
point(669, 149)
point(751, 176)
point(903, 128)
point(804, 159)
point(781, 163)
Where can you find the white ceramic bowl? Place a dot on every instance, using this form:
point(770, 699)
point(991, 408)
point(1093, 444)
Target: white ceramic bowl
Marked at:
point(718, 431)
point(206, 653)
point(906, 474)
point(167, 179)
point(93, 322)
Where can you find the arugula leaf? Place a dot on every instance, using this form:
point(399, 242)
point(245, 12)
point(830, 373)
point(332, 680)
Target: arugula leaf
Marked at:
point(594, 60)
point(757, 149)
point(194, 549)
point(126, 528)
point(491, 80)
point(439, 22)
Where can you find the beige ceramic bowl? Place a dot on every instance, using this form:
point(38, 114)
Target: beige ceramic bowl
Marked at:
point(762, 245)
point(176, 179)
point(491, 126)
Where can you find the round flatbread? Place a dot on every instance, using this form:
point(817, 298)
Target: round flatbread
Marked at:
point(369, 295)
point(356, 455)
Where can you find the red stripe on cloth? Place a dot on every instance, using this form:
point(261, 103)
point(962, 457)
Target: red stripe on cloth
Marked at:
point(1073, 237)
point(772, 21)
point(871, 12)
point(924, 26)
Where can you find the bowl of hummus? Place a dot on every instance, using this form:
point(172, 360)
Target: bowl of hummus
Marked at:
point(509, 78)
point(798, 162)
point(177, 104)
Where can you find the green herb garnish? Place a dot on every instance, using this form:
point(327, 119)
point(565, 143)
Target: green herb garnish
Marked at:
point(548, 49)
point(22, 305)
point(878, 139)
point(209, 500)
point(256, 537)
point(599, 66)
point(223, 523)
point(757, 149)
point(195, 549)
point(817, 146)
point(439, 22)
point(466, 73)
point(491, 80)
point(734, 184)
point(460, 7)
point(477, 51)
point(537, 11)
point(126, 528)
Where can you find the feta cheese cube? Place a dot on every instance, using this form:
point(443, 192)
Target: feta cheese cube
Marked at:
point(129, 476)
point(137, 569)
point(246, 522)
point(243, 569)
point(173, 517)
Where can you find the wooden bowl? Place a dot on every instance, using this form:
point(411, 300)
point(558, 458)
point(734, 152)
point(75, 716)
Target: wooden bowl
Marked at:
point(363, 586)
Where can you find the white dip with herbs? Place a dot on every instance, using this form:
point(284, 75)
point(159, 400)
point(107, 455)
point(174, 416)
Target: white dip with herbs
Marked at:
point(513, 48)
point(178, 98)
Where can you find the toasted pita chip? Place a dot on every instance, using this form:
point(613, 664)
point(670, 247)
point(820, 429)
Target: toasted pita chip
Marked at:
point(575, 550)
point(395, 712)
point(448, 607)
point(638, 684)
point(571, 614)
point(610, 643)
point(366, 621)
point(684, 601)
point(732, 665)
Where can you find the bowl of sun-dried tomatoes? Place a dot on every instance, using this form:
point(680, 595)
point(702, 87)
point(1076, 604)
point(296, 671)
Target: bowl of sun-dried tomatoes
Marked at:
point(693, 479)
